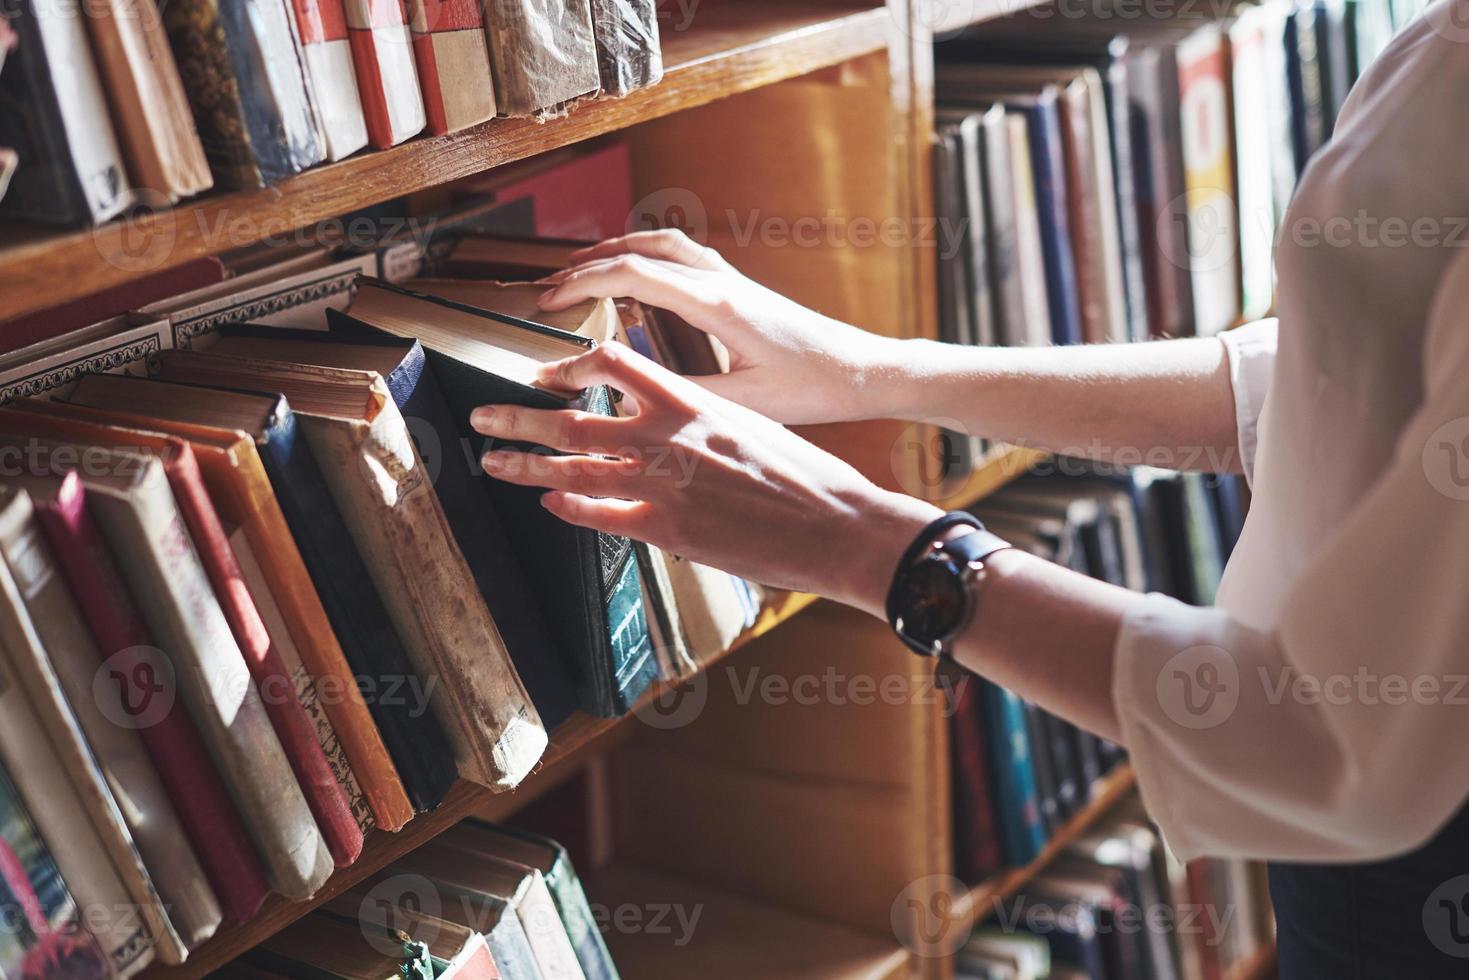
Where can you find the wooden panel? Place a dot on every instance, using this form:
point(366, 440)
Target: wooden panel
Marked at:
point(725, 50)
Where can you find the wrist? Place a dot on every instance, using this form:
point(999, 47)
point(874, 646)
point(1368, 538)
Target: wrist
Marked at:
point(888, 525)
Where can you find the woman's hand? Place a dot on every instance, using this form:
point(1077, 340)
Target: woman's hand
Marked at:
point(707, 479)
point(787, 362)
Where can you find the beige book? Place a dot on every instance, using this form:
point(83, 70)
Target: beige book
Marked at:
point(46, 757)
point(458, 859)
point(190, 913)
point(542, 54)
point(386, 496)
point(708, 606)
point(665, 623)
point(155, 125)
point(130, 497)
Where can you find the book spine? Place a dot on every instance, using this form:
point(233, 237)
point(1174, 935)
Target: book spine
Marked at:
point(976, 843)
point(453, 63)
point(148, 538)
point(211, 825)
point(1017, 799)
point(629, 53)
point(293, 727)
point(387, 80)
point(1050, 191)
point(542, 54)
point(1213, 232)
point(321, 32)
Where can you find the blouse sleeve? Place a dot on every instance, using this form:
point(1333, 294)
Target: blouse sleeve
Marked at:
point(1335, 736)
point(1251, 352)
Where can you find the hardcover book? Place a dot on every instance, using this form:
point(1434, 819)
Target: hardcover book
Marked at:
point(121, 343)
point(384, 493)
point(410, 727)
point(629, 53)
point(453, 63)
point(588, 582)
point(240, 65)
point(211, 825)
point(382, 52)
point(326, 55)
point(187, 910)
point(160, 143)
point(542, 53)
point(279, 584)
point(481, 538)
point(54, 116)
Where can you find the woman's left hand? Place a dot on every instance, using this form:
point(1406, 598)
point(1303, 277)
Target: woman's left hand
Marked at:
point(706, 479)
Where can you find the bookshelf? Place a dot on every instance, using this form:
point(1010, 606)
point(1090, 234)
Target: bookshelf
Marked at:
point(851, 86)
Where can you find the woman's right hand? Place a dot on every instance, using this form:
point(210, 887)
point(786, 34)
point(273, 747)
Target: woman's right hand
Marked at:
point(787, 362)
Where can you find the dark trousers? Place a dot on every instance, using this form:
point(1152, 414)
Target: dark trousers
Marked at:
point(1402, 919)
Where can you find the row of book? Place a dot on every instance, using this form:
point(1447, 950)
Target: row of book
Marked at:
point(115, 103)
point(1116, 905)
point(258, 598)
point(1019, 772)
point(479, 902)
point(1123, 182)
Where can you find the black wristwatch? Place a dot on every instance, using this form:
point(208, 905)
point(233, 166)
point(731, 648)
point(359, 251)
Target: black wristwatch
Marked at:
point(935, 590)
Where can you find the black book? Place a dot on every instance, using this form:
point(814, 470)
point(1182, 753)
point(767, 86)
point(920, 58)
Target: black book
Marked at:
point(587, 582)
point(415, 738)
point(629, 54)
point(1046, 784)
point(472, 519)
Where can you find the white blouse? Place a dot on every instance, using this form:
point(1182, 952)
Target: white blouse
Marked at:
point(1321, 710)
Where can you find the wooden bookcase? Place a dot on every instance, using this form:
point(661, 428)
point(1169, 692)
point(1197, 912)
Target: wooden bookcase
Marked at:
point(770, 111)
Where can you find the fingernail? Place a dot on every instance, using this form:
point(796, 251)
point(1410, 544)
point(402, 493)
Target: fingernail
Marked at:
point(497, 460)
point(481, 417)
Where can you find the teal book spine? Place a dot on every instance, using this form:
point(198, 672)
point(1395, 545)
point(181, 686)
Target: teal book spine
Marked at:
point(1016, 795)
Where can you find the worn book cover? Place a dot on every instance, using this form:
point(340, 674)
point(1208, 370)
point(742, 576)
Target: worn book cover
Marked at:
point(54, 116)
point(122, 343)
point(629, 52)
point(453, 63)
point(321, 32)
point(542, 53)
point(387, 78)
point(386, 496)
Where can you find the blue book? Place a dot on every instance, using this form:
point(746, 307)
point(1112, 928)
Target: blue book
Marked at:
point(1043, 124)
point(1012, 771)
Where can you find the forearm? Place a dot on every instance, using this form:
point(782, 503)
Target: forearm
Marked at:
point(1166, 403)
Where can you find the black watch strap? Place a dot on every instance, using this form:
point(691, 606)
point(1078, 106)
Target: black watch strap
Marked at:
point(969, 547)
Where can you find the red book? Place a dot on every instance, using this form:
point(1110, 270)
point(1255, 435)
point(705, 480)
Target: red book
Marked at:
point(453, 63)
point(387, 80)
point(203, 805)
point(976, 838)
point(328, 802)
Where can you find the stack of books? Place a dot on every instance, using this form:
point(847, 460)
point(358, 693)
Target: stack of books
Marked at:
point(1020, 772)
point(130, 103)
point(1116, 905)
point(1121, 177)
point(258, 599)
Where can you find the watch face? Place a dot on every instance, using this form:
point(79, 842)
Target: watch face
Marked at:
point(932, 599)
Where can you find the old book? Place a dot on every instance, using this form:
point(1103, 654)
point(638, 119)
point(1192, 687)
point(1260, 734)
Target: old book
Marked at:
point(976, 839)
point(378, 662)
point(588, 582)
point(42, 747)
point(629, 52)
point(325, 944)
point(212, 826)
point(47, 933)
point(453, 63)
point(1256, 220)
point(457, 950)
point(460, 860)
point(54, 117)
point(481, 538)
point(321, 32)
point(1162, 194)
point(278, 582)
point(383, 490)
point(1042, 116)
point(1213, 232)
point(709, 607)
point(293, 726)
point(119, 344)
point(542, 53)
point(531, 850)
point(665, 625)
point(165, 159)
point(1030, 259)
point(295, 293)
point(594, 319)
point(242, 70)
point(147, 537)
point(188, 911)
point(387, 79)
point(956, 322)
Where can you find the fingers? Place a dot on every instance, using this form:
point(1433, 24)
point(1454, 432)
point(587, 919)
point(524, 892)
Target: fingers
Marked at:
point(664, 243)
point(650, 385)
point(568, 431)
point(645, 280)
point(596, 476)
point(625, 518)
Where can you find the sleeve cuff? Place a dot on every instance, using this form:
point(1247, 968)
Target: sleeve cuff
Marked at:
point(1251, 353)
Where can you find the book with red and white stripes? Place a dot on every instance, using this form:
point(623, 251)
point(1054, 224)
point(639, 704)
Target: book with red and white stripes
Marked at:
point(321, 30)
point(387, 81)
point(453, 63)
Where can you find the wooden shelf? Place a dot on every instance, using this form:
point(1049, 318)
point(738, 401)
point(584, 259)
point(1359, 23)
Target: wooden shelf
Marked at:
point(727, 49)
point(950, 17)
point(997, 469)
point(979, 902)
